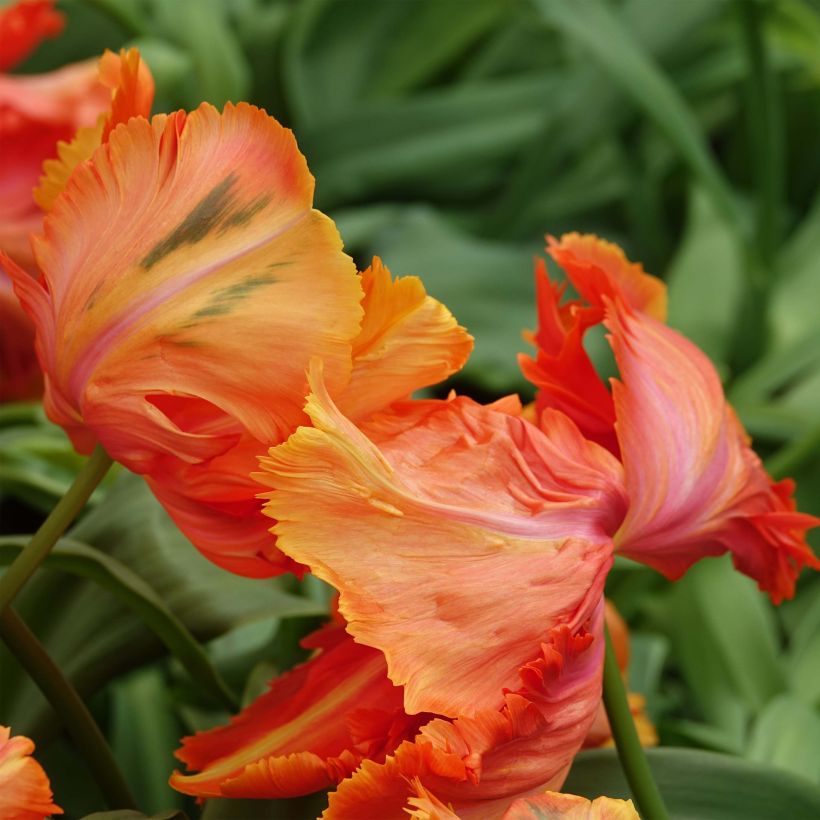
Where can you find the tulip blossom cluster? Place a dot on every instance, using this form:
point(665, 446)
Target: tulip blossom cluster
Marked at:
point(198, 318)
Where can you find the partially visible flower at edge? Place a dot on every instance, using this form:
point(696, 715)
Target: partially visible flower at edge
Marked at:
point(25, 792)
point(696, 488)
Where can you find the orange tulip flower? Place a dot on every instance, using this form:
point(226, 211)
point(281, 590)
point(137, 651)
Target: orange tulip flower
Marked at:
point(409, 514)
point(25, 793)
point(696, 488)
point(186, 283)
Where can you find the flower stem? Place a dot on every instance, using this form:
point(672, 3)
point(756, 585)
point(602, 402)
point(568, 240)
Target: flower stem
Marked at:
point(630, 752)
point(54, 526)
point(70, 708)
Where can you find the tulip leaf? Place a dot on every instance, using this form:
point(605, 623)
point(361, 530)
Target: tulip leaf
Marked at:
point(700, 785)
point(144, 732)
point(724, 643)
point(80, 559)
point(708, 261)
point(131, 527)
point(594, 27)
point(786, 735)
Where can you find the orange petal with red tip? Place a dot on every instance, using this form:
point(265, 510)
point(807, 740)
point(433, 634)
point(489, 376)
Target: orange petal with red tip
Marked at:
point(23, 26)
point(187, 283)
point(600, 270)
point(25, 793)
point(308, 732)
point(132, 93)
point(475, 766)
point(408, 340)
point(556, 806)
point(410, 523)
point(696, 488)
point(562, 371)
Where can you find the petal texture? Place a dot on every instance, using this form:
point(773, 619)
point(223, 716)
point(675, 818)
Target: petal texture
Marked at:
point(695, 486)
point(187, 282)
point(476, 766)
point(25, 793)
point(697, 489)
point(132, 93)
point(312, 729)
point(408, 340)
point(555, 806)
point(411, 523)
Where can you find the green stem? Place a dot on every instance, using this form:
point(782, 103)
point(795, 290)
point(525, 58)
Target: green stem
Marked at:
point(630, 752)
point(69, 706)
point(67, 509)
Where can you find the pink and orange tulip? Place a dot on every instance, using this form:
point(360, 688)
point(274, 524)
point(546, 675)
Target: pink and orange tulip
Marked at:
point(25, 792)
point(696, 488)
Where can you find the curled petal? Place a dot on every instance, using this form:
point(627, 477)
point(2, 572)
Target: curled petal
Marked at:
point(600, 271)
point(311, 730)
point(476, 766)
point(25, 793)
point(132, 94)
point(187, 283)
point(555, 806)
point(409, 524)
point(23, 26)
point(696, 488)
point(562, 371)
point(408, 340)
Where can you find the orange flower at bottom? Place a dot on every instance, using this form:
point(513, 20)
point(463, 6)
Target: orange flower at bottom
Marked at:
point(25, 793)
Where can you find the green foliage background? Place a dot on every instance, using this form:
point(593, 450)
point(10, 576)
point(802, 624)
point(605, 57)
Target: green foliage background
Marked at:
point(448, 136)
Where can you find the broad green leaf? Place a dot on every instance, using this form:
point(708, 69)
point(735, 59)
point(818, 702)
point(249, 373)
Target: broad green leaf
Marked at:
point(220, 70)
point(725, 640)
point(786, 735)
point(443, 143)
point(705, 279)
point(128, 587)
point(95, 638)
point(594, 26)
point(144, 733)
point(647, 656)
point(702, 785)
point(794, 301)
point(804, 665)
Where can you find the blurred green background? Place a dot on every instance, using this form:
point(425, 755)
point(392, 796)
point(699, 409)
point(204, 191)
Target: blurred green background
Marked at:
point(448, 136)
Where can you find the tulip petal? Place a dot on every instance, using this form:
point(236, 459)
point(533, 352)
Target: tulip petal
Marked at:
point(600, 271)
point(696, 488)
point(184, 264)
point(23, 26)
point(308, 732)
point(475, 766)
point(556, 806)
point(410, 525)
point(562, 371)
point(408, 340)
point(132, 94)
point(25, 793)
